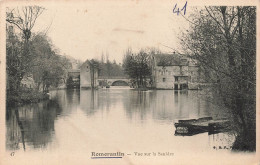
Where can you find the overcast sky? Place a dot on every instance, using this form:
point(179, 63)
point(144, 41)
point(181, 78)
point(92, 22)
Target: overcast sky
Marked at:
point(85, 30)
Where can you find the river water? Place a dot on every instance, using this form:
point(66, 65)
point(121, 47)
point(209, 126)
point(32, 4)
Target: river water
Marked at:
point(113, 120)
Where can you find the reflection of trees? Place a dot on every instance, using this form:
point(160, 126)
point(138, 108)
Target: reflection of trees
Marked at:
point(163, 105)
point(20, 124)
point(72, 101)
point(160, 103)
point(67, 99)
point(168, 105)
point(31, 124)
point(93, 100)
point(138, 103)
point(15, 131)
point(189, 105)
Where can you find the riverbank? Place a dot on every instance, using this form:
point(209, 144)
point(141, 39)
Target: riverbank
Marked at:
point(23, 97)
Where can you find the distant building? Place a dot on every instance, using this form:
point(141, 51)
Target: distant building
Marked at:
point(174, 71)
point(73, 80)
point(88, 75)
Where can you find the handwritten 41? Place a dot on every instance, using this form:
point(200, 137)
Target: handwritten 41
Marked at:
point(177, 10)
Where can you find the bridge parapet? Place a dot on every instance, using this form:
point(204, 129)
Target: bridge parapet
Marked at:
point(113, 80)
point(112, 77)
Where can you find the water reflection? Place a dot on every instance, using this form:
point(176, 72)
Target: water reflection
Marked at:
point(89, 101)
point(35, 125)
point(138, 104)
point(32, 124)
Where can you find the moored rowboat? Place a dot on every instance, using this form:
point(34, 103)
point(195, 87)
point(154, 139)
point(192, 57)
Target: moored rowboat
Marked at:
point(194, 126)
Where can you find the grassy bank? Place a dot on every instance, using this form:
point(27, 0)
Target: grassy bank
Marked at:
point(25, 96)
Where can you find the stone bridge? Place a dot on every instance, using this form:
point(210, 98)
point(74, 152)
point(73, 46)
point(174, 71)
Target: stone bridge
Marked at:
point(113, 81)
point(75, 79)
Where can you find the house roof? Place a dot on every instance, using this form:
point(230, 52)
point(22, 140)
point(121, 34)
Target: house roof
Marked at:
point(170, 59)
point(90, 62)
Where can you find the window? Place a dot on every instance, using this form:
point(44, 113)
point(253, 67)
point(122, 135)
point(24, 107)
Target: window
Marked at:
point(163, 79)
point(183, 60)
point(176, 79)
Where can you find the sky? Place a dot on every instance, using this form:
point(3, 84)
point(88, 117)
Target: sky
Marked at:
point(88, 29)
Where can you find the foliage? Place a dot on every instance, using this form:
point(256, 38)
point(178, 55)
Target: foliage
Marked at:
point(18, 55)
point(137, 67)
point(29, 55)
point(223, 40)
point(48, 67)
point(108, 69)
point(14, 63)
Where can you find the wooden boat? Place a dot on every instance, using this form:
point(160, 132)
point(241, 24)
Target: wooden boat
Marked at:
point(191, 127)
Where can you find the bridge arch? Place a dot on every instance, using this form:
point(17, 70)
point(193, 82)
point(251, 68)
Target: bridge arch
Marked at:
point(119, 83)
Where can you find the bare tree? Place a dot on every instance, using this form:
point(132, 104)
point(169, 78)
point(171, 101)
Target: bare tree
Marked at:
point(223, 40)
point(24, 18)
point(137, 67)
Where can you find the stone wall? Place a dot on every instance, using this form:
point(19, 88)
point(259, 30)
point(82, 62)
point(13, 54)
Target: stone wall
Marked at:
point(165, 76)
point(88, 75)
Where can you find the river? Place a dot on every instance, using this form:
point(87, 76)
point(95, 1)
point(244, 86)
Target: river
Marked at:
point(117, 119)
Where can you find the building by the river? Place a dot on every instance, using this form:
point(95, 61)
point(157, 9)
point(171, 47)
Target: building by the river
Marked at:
point(174, 71)
point(88, 75)
point(73, 80)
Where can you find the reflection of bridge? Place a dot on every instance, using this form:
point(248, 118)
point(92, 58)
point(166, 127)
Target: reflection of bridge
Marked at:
point(113, 80)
